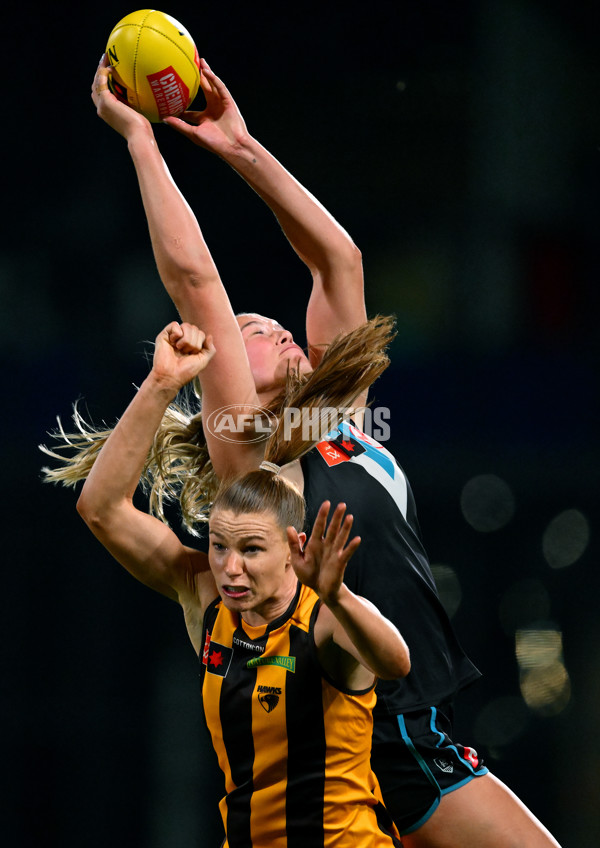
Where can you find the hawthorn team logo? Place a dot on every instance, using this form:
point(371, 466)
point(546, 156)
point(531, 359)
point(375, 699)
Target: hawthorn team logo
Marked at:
point(268, 697)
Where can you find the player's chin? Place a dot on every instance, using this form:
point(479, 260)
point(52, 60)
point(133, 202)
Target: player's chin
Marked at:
point(298, 362)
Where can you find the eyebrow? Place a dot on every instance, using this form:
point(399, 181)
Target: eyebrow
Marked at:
point(247, 324)
point(260, 324)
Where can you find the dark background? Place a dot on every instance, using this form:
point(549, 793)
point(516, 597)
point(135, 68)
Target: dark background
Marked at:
point(459, 145)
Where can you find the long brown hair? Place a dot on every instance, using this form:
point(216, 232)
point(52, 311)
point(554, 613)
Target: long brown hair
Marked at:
point(178, 467)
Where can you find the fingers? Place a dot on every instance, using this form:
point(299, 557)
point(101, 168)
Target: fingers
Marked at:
point(102, 96)
point(318, 531)
point(294, 542)
point(191, 116)
point(100, 83)
point(339, 527)
point(207, 352)
point(220, 88)
point(184, 127)
point(172, 332)
point(338, 532)
point(333, 531)
point(349, 549)
point(187, 338)
point(217, 85)
point(191, 339)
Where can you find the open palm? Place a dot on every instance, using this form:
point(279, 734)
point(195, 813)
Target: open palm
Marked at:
point(322, 562)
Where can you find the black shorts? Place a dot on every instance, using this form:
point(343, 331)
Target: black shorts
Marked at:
point(416, 762)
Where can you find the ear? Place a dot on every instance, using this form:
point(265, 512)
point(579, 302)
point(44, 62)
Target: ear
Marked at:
point(301, 542)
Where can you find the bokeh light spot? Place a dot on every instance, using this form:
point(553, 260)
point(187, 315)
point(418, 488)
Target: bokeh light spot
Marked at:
point(566, 538)
point(547, 690)
point(544, 680)
point(537, 648)
point(487, 503)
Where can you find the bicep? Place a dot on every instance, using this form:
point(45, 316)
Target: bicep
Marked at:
point(336, 305)
point(338, 655)
point(148, 549)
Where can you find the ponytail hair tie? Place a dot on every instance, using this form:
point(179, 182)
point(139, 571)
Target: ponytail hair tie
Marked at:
point(269, 466)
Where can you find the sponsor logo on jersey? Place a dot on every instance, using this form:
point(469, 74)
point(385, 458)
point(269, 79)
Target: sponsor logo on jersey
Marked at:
point(331, 453)
point(205, 649)
point(444, 765)
point(249, 646)
point(216, 657)
point(268, 697)
point(349, 444)
point(346, 443)
point(289, 663)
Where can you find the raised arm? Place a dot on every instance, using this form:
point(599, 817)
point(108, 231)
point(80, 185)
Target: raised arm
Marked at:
point(186, 267)
point(337, 299)
point(145, 546)
point(351, 634)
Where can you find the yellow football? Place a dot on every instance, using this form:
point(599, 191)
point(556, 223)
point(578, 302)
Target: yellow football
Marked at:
point(155, 64)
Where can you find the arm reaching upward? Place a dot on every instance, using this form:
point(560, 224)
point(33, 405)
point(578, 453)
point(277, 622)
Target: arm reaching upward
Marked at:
point(145, 546)
point(337, 300)
point(186, 266)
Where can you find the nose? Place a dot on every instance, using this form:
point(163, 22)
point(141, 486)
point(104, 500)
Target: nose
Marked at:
point(285, 337)
point(233, 565)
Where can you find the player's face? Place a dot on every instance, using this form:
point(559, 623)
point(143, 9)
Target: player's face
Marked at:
point(271, 352)
point(249, 557)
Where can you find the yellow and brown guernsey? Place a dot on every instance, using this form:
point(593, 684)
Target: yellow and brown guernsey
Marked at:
point(294, 747)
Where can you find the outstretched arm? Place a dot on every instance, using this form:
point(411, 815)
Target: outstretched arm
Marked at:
point(181, 254)
point(337, 300)
point(186, 266)
point(346, 622)
point(145, 546)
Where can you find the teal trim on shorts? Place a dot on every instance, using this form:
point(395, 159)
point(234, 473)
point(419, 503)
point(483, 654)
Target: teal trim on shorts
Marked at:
point(426, 770)
point(477, 772)
point(409, 744)
point(428, 773)
point(463, 782)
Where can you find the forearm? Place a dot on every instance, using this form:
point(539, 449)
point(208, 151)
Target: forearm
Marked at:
point(116, 472)
point(378, 643)
point(182, 257)
point(312, 231)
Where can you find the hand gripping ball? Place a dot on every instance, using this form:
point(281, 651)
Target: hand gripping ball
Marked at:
point(155, 64)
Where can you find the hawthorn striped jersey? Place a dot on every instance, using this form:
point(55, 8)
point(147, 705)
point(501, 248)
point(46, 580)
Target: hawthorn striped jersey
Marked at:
point(294, 747)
